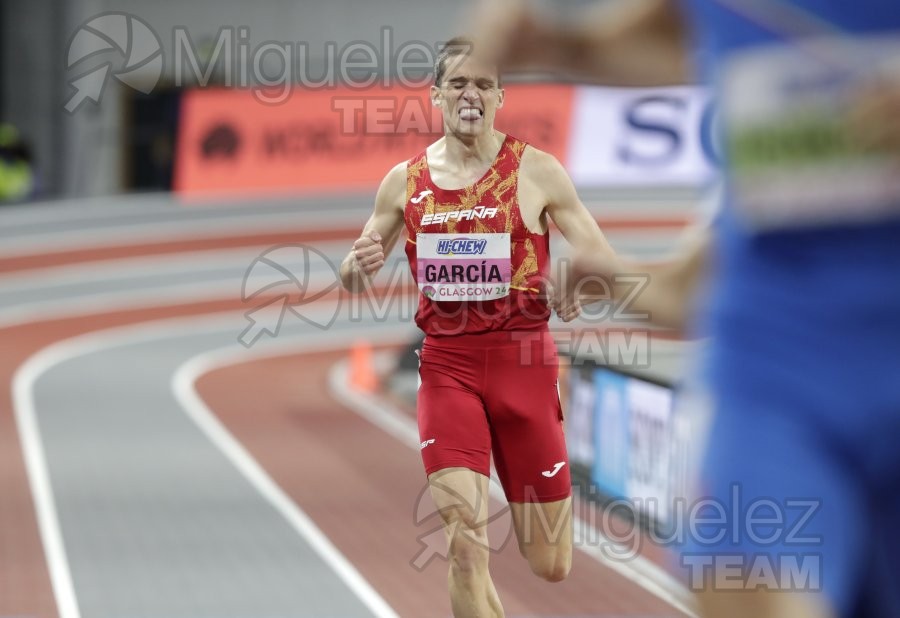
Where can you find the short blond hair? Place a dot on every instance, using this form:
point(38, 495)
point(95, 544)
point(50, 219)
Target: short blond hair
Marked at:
point(457, 46)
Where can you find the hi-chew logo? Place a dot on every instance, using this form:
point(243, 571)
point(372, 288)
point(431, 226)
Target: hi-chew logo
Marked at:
point(460, 246)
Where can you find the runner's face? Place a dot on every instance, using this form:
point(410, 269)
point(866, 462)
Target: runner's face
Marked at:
point(469, 96)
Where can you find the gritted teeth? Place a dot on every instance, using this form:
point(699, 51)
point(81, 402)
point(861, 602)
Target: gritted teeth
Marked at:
point(470, 113)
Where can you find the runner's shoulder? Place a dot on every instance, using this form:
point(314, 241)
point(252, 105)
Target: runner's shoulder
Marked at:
point(392, 191)
point(397, 173)
point(540, 166)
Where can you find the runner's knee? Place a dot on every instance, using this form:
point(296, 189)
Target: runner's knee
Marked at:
point(468, 551)
point(553, 565)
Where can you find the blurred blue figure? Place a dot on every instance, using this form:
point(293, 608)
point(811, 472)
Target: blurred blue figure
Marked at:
point(804, 309)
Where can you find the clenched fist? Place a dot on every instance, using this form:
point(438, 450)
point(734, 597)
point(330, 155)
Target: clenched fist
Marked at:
point(561, 299)
point(369, 253)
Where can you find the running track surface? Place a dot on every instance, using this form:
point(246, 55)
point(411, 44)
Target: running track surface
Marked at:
point(153, 466)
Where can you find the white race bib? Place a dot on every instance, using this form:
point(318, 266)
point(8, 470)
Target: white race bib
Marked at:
point(792, 161)
point(463, 267)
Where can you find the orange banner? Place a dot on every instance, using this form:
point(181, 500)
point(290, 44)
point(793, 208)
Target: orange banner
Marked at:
point(334, 140)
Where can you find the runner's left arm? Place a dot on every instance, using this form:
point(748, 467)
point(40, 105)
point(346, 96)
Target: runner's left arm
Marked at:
point(578, 227)
point(595, 272)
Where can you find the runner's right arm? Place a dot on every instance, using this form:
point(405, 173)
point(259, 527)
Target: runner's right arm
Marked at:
point(380, 234)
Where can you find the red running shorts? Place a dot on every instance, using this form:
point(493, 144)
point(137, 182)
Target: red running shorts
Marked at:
point(495, 392)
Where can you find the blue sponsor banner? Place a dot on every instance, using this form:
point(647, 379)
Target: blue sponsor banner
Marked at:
point(611, 433)
point(580, 417)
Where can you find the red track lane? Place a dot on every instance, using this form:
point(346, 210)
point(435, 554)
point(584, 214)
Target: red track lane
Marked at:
point(360, 487)
point(25, 588)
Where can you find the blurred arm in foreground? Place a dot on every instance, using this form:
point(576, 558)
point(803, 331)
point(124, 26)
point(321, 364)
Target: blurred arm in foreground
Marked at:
point(621, 43)
point(645, 43)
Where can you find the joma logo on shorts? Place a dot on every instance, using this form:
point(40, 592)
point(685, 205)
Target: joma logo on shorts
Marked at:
point(479, 212)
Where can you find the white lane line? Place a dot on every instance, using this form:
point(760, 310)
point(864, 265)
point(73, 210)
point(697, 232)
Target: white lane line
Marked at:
point(636, 569)
point(23, 383)
point(183, 385)
point(37, 365)
point(42, 491)
point(50, 243)
point(172, 263)
point(184, 293)
point(130, 206)
point(78, 209)
point(125, 300)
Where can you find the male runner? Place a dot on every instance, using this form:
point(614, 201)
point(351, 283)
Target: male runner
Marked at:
point(476, 205)
point(805, 314)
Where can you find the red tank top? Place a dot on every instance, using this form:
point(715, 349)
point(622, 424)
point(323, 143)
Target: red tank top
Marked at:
point(478, 268)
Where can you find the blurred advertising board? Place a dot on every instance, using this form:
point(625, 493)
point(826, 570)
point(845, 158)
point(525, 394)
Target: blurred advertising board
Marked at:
point(334, 140)
point(346, 139)
point(623, 436)
point(641, 136)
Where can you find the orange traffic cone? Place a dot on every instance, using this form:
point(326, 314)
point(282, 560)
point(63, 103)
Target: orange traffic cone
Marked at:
point(362, 371)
